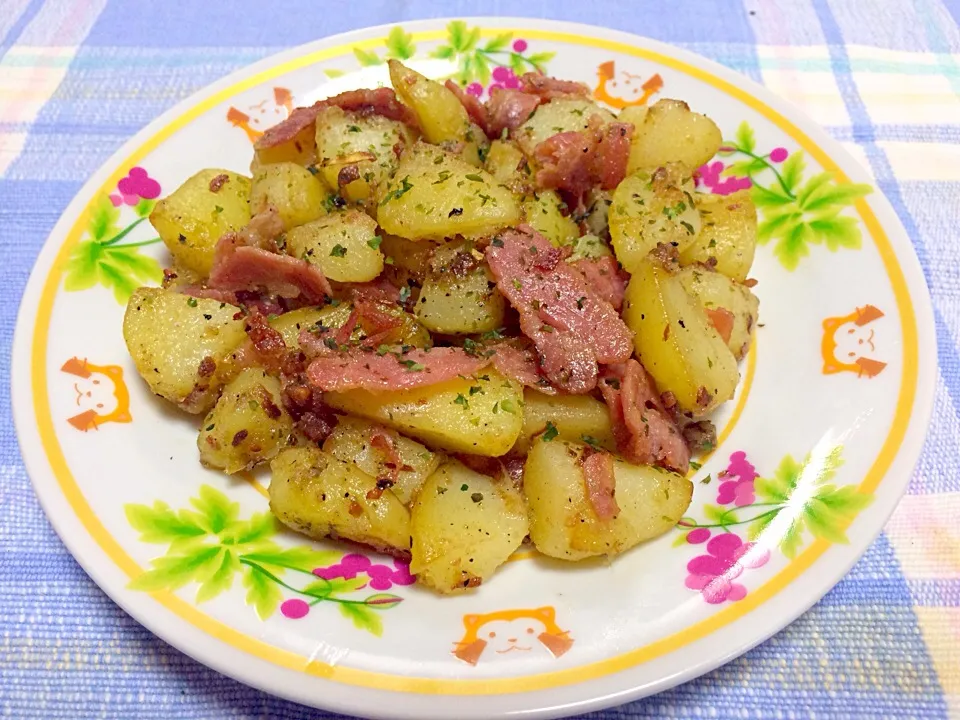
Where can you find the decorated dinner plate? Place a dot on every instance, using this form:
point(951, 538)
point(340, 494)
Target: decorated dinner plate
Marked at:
point(813, 451)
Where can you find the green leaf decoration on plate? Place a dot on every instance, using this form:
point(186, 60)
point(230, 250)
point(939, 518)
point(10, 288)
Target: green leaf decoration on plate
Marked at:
point(796, 212)
point(799, 496)
point(105, 256)
point(400, 44)
point(209, 544)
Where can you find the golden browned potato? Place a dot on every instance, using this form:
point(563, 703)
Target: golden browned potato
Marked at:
point(352, 441)
point(563, 522)
point(440, 113)
point(434, 195)
point(410, 258)
point(463, 526)
point(732, 308)
point(569, 417)
point(459, 295)
point(676, 342)
point(544, 211)
point(671, 133)
point(193, 217)
point(289, 325)
point(247, 425)
point(650, 209)
point(481, 415)
point(356, 153)
point(728, 235)
point(557, 116)
point(293, 190)
point(344, 245)
point(320, 496)
point(504, 162)
point(178, 344)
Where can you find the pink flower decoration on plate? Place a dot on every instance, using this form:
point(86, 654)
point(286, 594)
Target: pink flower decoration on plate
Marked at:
point(713, 574)
point(136, 185)
point(294, 609)
point(737, 484)
point(709, 175)
point(348, 567)
point(779, 154)
point(382, 577)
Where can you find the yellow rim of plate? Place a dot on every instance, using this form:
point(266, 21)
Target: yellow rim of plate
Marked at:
point(484, 686)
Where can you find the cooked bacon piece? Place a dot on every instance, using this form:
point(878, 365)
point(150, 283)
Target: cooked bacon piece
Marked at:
point(506, 467)
point(604, 276)
point(509, 109)
point(382, 101)
point(299, 119)
point(600, 482)
point(700, 435)
point(374, 319)
point(550, 88)
point(248, 261)
point(574, 162)
point(262, 231)
point(722, 319)
point(313, 417)
point(473, 106)
point(518, 364)
point(572, 327)
point(356, 368)
point(266, 342)
point(642, 427)
point(250, 268)
point(380, 289)
point(383, 441)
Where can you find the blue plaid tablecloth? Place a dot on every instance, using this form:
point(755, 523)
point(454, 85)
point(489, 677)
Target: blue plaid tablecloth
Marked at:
point(79, 78)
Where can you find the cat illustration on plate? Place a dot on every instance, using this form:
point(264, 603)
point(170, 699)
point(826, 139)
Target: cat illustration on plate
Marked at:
point(255, 119)
point(512, 633)
point(101, 394)
point(848, 343)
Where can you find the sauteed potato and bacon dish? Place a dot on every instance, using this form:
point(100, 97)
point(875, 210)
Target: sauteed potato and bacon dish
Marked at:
point(452, 327)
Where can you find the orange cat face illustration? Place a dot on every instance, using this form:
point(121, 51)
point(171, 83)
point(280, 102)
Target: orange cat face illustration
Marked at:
point(508, 633)
point(101, 394)
point(624, 89)
point(263, 115)
point(848, 342)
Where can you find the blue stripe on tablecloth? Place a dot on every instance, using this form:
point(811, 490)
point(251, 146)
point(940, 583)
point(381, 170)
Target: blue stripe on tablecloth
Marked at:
point(939, 43)
point(27, 14)
point(300, 21)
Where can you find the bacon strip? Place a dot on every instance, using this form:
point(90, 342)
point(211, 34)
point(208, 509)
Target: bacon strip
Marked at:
point(248, 261)
point(509, 109)
point(643, 429)
point(722, 319)
point(473, 106)
point(381, 101)
point(356, 368)
point(571, 326)
point(383, 441)
point(549, 88)
point(250, 268)
point(600, 482)
point(574, 162)
point(605, 277)
point(518, 364)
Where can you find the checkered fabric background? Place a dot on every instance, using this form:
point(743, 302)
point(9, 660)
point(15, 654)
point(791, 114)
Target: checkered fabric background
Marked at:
point(79, 78)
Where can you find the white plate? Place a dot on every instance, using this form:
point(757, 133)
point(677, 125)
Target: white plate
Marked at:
point(820, 440)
